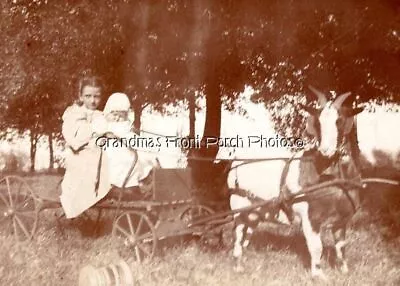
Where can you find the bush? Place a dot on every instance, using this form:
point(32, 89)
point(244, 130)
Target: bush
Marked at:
point(382, 201)
point(14, 161)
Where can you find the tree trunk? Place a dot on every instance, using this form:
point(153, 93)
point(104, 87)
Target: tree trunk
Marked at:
point(138, 118)
point(192, 114)
point(212, 126)
point(209, 178)
point(33, 140)
point(51, 151)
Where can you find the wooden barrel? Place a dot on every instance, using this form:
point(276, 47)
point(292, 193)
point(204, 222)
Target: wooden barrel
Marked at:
point(118, 274)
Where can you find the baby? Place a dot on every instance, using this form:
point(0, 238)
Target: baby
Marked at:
point(121, 157)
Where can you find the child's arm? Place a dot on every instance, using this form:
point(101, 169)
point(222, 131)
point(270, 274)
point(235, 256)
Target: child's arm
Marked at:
point(76, 129)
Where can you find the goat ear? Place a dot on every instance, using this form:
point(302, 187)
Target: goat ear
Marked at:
point(310, 110)
point(350, 112)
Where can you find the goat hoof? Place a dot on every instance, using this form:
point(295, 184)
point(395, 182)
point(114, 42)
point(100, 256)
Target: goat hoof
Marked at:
point(319, 275)
point(344, 269)
point(239, 269)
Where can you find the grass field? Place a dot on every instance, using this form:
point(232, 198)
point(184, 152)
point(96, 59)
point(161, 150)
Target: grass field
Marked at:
point(53, 259)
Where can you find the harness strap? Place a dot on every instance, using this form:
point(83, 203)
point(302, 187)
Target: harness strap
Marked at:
point(130, 169)
point(284, 193)
point(343, 186)
point(244, 193)
point(97, 182)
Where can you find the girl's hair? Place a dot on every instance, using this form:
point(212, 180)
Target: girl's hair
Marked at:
point(87, 80)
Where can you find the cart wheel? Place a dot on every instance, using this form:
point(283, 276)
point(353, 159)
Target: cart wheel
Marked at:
point(18, 208)
point(206, 234)
point(138, 233)
point(191, 213)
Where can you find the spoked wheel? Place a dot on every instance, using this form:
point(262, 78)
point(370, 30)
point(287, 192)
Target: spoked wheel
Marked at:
point(137, 232)
point(205, 232)
point(195, 212)
point(18, 208)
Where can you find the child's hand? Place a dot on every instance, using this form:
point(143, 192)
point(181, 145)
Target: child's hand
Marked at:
point(120, 129)
point(99, 126)
point(109, 117)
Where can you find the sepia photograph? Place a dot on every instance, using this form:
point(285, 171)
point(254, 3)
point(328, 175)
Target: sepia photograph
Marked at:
point(199, 142)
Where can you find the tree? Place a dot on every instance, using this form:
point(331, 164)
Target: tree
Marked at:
point(330, 50)
point(164, 51)
point(50, 41)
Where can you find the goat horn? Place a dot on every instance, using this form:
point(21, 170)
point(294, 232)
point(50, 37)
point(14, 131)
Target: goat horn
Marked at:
point(321, 97)
point(340, 99)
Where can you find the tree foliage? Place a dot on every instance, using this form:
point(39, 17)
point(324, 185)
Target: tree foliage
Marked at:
point(163, 51)
point(348, 47)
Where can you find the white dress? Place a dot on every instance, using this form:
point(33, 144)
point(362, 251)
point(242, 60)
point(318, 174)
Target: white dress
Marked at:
point(121, 157)
point(86, 176)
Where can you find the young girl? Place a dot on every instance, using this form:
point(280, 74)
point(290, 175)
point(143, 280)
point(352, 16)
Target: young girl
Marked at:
point(121, 157)
point(86, 176)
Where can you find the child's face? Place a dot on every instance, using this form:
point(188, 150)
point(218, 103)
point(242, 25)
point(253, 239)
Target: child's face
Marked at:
point(91, 96)
point(117, 116)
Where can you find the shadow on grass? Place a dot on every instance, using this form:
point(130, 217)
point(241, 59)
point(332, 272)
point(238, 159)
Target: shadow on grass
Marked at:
point(294, 244)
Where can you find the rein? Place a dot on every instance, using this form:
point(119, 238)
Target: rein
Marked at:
point(136, 130)
point(343, 186)
point(244, 160)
